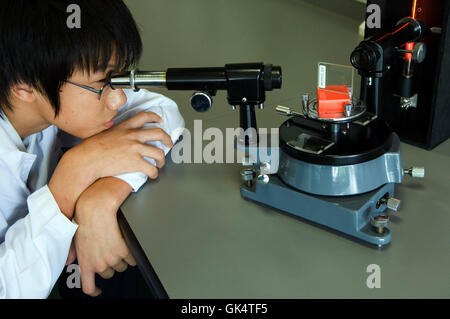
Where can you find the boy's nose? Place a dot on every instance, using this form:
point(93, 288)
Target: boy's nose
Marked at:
point(115, 99)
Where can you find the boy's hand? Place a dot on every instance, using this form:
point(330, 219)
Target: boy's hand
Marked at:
point(121, 149)
point(98, 241)
point(116, 151)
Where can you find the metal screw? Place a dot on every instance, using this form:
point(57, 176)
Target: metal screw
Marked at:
point(283, 110)
point(305, 102)
point(244, 99)
point(247, 176)
point(379, 222)
point(348, 109)
point(263, 179)
point(414, 171)
point(393, 204)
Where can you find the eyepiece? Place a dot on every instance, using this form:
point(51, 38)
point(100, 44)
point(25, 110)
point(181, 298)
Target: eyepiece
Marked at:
point(272, 77)
point(276, 77)
point(362, 58)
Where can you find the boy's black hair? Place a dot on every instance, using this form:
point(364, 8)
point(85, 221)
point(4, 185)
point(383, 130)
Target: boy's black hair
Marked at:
point(38, 48)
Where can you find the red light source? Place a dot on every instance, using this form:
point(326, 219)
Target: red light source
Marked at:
point(410, 45)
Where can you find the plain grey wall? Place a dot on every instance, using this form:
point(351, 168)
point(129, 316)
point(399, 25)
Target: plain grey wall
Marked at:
point(290, 33)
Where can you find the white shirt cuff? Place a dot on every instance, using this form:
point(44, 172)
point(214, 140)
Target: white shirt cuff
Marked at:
point(135, 180)
point(45, 213)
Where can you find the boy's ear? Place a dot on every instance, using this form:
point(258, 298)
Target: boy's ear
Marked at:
point(24, 92)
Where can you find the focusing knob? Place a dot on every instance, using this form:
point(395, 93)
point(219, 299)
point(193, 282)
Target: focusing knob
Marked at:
point(201, 101)
point(419, 52)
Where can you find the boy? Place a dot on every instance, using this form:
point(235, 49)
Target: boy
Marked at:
point(53, 79)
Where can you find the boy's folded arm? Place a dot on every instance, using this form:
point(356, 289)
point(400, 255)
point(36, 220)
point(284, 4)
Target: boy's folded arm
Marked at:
point(35, 249)
point(172, 124)
point(112, 192)
point(99, 243)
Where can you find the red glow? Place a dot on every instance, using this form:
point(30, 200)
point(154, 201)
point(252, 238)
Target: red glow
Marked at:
point(410, 45)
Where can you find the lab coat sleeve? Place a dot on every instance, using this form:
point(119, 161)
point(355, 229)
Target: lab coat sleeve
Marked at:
point(35, 249)
point(172, 123)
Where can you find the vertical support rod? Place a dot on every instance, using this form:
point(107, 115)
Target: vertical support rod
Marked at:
point(248, 120)
point(335, 130)
point(370, 94)
point(376, 96)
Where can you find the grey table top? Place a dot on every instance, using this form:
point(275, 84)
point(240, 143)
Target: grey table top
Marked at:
point(205, 241)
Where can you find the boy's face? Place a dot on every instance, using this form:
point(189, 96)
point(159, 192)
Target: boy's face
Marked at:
point(81, 113)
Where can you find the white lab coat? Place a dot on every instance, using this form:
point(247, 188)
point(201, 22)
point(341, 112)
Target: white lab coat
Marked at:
point(34, 235)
